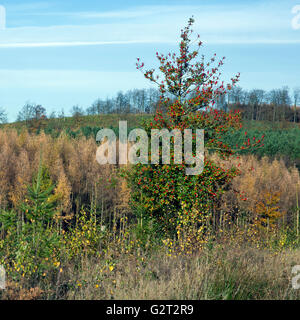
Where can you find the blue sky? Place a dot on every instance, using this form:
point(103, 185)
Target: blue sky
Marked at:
point(62, 53)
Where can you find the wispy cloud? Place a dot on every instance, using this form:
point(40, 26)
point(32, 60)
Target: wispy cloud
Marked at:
point(138, 12)
point(68, 44)
point(266, 23)
point(264, 15)
point(103, 43)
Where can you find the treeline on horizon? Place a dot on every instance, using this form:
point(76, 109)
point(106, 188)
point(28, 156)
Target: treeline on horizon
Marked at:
point(256, 104)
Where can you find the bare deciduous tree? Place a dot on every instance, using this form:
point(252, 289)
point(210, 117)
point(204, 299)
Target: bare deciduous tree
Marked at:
point(77, 111)
point(31, 111)
point(3, 116)
point(296, 96)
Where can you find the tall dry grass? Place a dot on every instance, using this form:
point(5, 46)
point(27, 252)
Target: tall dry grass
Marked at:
point(226, 272)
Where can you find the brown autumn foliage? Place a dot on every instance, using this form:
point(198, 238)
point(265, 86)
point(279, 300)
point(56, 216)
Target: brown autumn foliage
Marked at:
point(259, 178)
point(72, 166)
point(80, 180)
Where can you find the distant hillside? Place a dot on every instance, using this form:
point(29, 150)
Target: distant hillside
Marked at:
point(75, 124)
point(282, 138)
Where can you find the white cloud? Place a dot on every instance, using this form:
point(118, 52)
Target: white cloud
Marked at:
point(245, 24)
point(67, 44)
point(266, 15)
